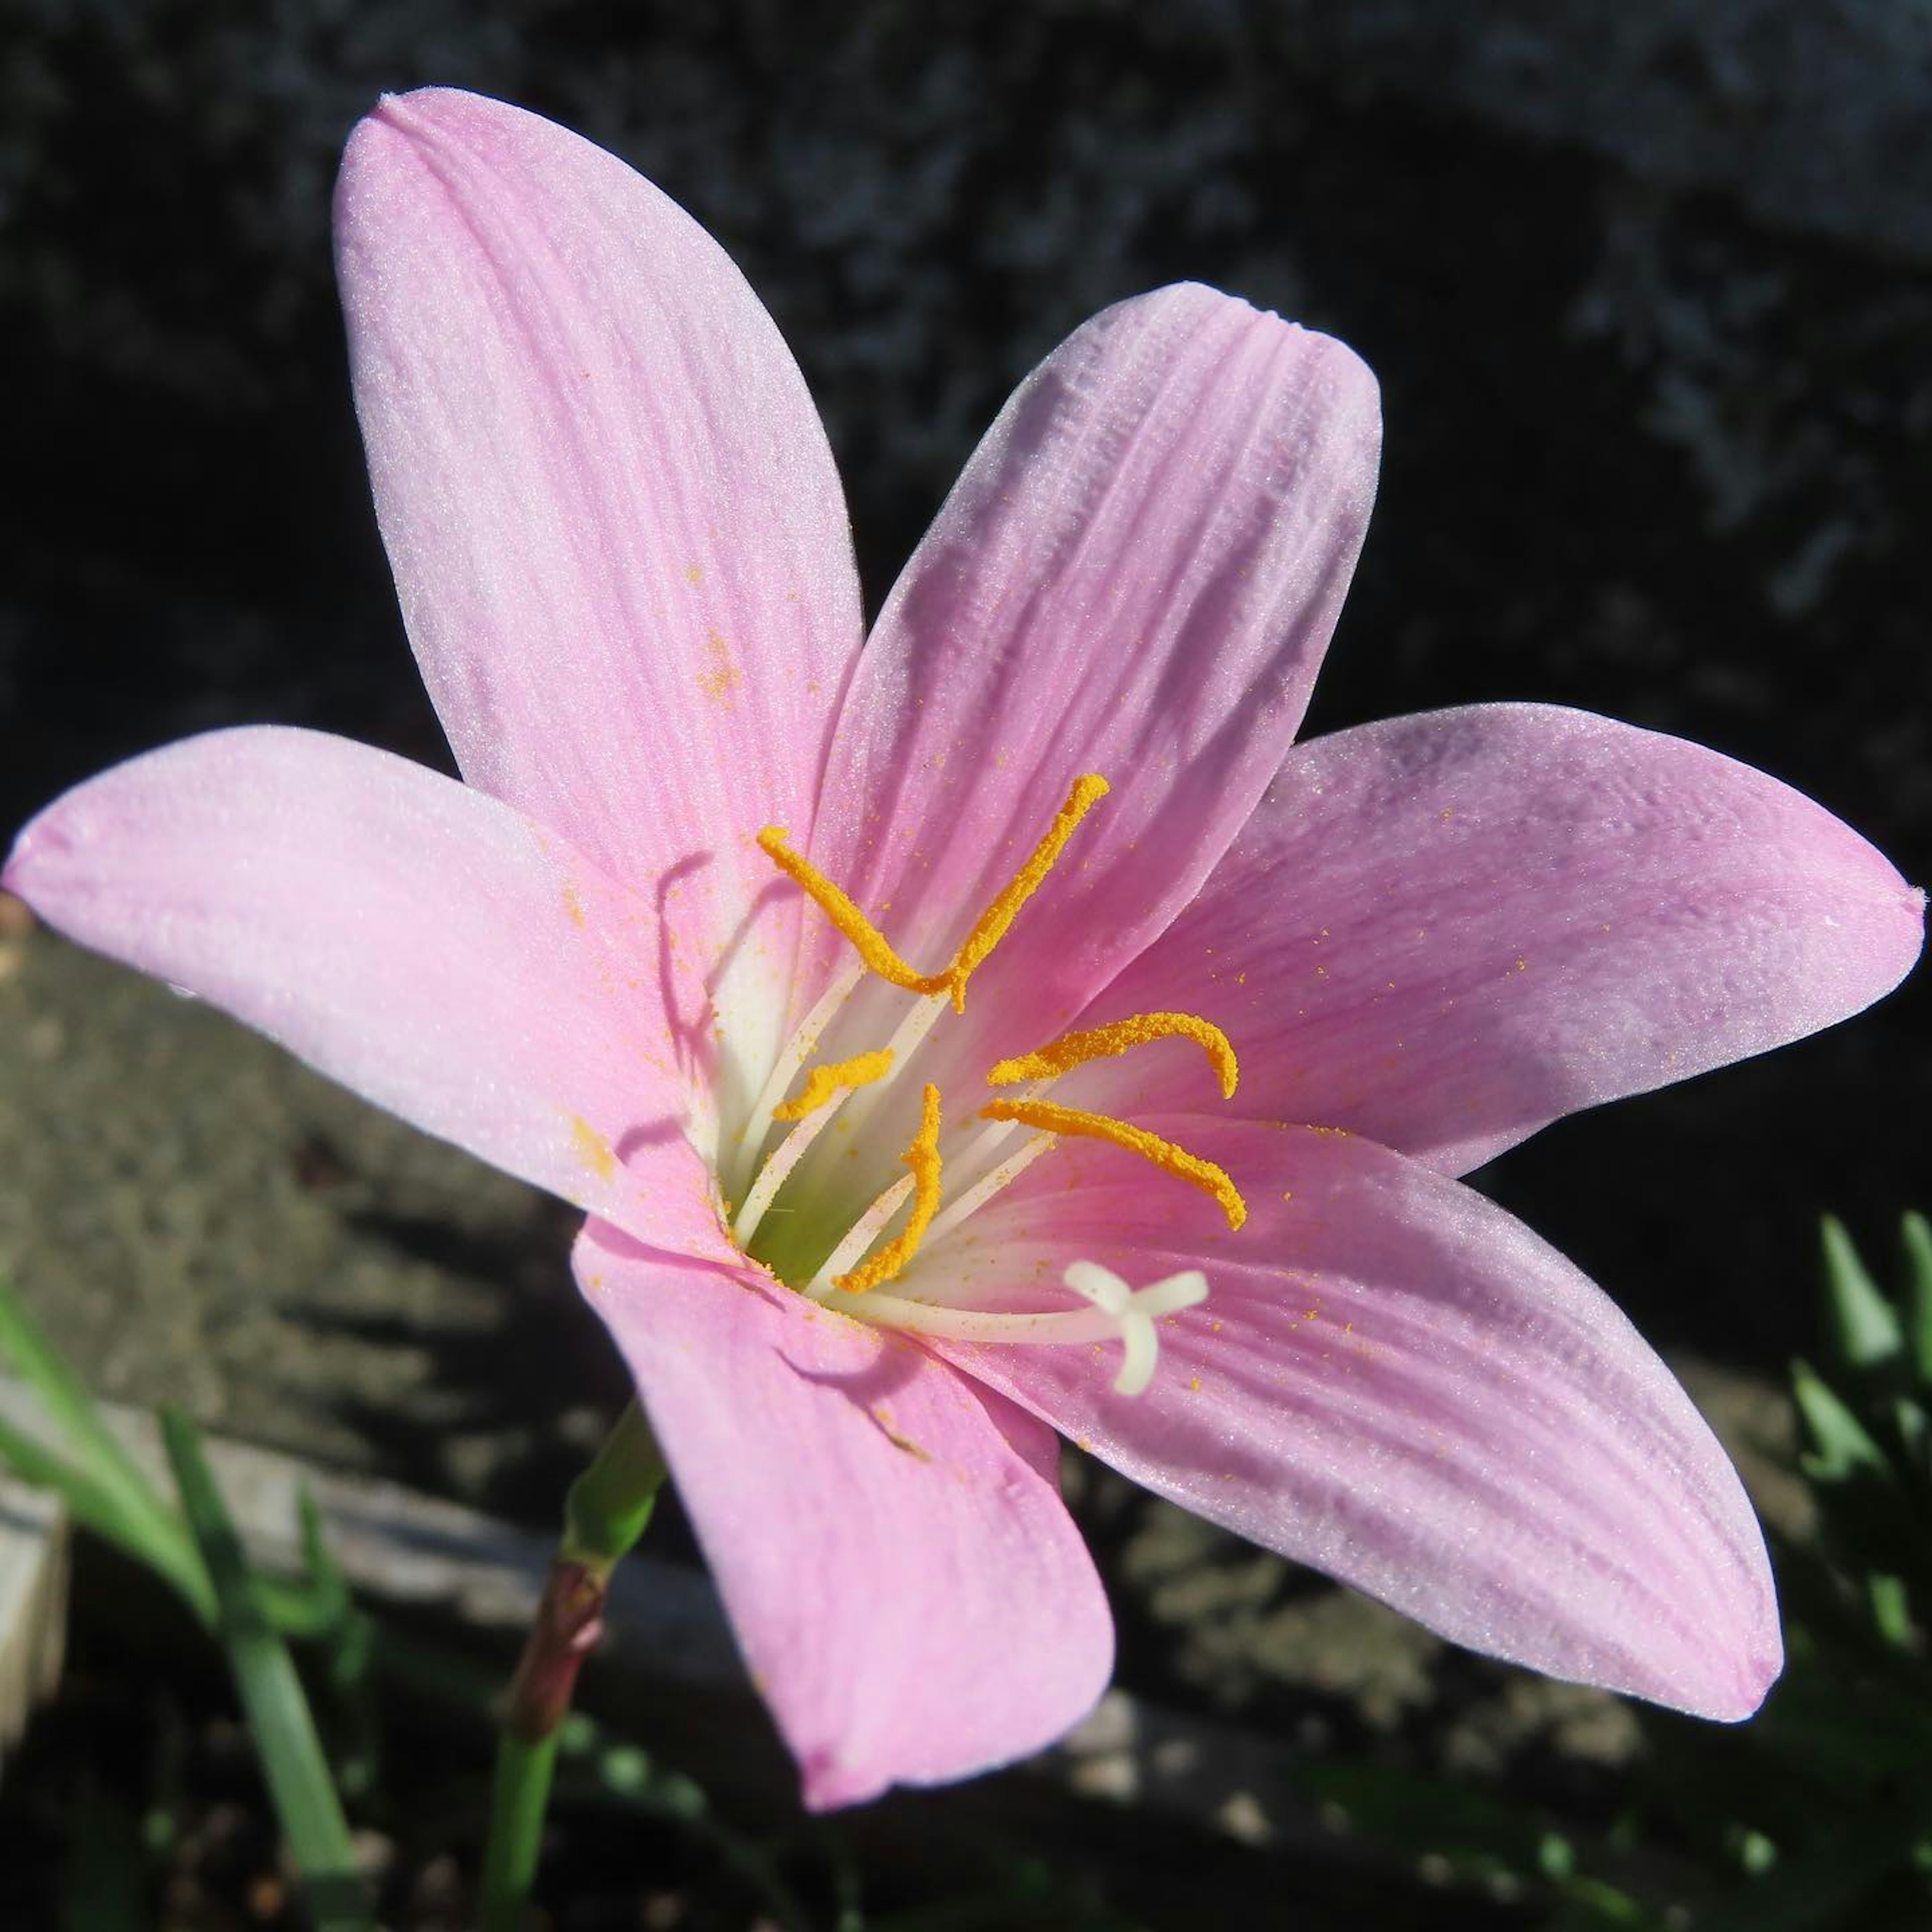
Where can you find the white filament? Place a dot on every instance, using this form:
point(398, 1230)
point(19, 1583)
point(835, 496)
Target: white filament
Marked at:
point(798, 1050)
point(983, 1190)
point(777, 1171)
point(860, 1236)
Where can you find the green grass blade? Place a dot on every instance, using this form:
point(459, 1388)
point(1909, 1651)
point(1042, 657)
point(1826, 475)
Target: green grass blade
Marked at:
point(71, 1408)
point(1843, 1447)
point(271, 1694)
point(1864, 1326)
point(104, 1486)
point(1916, 1235)
point(154, 1538)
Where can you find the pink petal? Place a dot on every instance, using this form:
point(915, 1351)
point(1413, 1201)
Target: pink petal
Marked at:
point(619, 541)
point(910, 1593)
point(1136, 575)
point(1035, 1442)
point(415, 939)
point(1394, 1381)
point(1445, 931)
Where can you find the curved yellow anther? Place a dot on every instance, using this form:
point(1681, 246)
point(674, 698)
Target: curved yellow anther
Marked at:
point(922, 1157)
point(871, 944)
point(821, 1083)
point(990, 927)
point(1164, 1155)
point(1075, 1049)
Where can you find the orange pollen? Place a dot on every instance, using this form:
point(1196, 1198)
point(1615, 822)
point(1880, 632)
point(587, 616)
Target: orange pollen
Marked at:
point(990, 927)
point(922, 1157)
point(822, 1083)
point(872, 945)
point(1075, 1049)
point(1164, 1154)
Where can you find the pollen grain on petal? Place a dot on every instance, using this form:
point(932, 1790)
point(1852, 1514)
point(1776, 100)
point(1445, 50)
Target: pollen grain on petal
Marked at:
point(1075, 1049)
point(720, 677)
point(1164, 1154)
point(592, 1147)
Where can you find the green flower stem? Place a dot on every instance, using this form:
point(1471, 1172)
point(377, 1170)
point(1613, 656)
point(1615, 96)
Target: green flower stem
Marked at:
point(607, 1509)
point(610, 1505)
point(517, 1800)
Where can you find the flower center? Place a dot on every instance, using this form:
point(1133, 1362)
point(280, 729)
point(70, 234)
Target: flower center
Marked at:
point(781, 1219)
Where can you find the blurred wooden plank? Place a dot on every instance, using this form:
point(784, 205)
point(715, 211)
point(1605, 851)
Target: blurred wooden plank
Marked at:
point(405, 1548)
point(33, 1604)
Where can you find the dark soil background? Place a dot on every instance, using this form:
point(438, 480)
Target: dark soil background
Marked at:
point(1649, 290)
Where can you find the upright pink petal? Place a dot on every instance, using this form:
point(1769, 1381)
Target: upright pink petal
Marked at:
point(1136, 575)
point(1445, 931)
point(620, 541)
point(415, 939)
point(910, 1595)
point(1394, 1381)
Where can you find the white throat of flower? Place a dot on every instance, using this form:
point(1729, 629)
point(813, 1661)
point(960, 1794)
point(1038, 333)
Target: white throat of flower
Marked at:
point(842, 1260)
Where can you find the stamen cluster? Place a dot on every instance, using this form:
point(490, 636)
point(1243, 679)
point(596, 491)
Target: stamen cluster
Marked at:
point(864, 1260)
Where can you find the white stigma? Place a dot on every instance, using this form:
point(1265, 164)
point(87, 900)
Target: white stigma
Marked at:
point(1114, 1310)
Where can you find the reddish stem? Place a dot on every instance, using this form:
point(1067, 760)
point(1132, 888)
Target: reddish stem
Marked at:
point(568, 1622)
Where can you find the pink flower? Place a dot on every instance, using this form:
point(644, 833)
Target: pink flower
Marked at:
point(623, 559)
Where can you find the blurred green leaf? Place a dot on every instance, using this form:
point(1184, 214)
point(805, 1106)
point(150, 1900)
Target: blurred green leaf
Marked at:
point(1914, 1431)
point(328, 1586)
point(271, 1695)
point(1864, 1329)
point(1915, 1233)
point(1891, 1609)
point(1842, 1446)
point(99, 1481)
point(69, 1408)
point(1589, 1904)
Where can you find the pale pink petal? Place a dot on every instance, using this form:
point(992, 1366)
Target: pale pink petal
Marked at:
point(415, 939)
point(1035, 1442)
point(620, 543)
point(1136, 575)
point(1394, 1381)
point(1446, 931)
point(910, 1595)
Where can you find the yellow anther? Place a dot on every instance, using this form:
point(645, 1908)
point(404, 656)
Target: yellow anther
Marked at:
point(922, 1157)
point(1087, 792)
point(871, 945)
point(1075, 1049)
point(1164, 1155)
point(821, 1083)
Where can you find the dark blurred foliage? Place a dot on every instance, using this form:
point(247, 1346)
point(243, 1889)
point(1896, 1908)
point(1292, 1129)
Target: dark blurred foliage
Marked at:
point(1648, 290)
point(1817, 1817)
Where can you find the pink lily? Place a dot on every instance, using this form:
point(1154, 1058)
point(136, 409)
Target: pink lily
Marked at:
point(623, 559)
